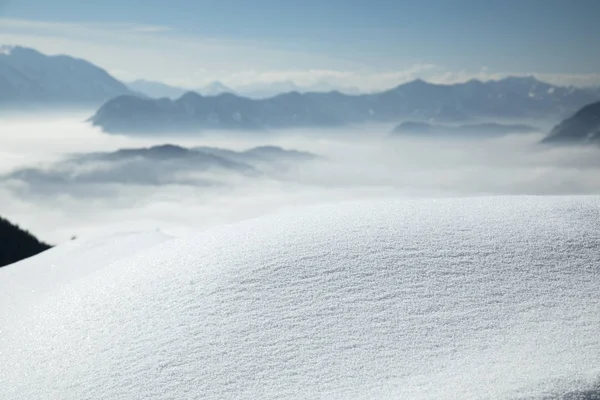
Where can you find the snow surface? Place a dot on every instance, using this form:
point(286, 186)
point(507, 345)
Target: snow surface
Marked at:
point(483, 298)
point(68, 262)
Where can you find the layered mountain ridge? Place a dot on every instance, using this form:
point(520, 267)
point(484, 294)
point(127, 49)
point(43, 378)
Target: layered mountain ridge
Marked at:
point(511, 98)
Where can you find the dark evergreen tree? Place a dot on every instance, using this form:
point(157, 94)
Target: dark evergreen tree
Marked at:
point(17, 244)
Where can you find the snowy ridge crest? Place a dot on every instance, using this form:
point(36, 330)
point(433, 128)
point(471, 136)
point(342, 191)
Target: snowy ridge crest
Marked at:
point(6, 49)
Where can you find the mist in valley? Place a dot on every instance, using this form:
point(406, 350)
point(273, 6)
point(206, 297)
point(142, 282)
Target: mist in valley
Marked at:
point(61, 178)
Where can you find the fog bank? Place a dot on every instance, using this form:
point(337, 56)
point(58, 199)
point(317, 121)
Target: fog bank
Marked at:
point(354, 163)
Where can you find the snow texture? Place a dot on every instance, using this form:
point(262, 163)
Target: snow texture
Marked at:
point(68, 262)
point(483, 298)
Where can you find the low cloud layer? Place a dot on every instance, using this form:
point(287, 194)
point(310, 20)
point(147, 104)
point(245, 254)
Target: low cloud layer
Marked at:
point(58, 181)
point(159, 165)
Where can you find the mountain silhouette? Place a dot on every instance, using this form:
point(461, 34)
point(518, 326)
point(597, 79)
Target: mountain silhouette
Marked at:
point(583, 127)
point(28, 77)
point(510, 98)
point(17, 244)
point(157, 165)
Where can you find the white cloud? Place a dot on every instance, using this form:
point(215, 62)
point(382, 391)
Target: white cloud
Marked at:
point(581, 80)
point(65, 28)
point(485, 74)
point(364, 80)
point(362, 163)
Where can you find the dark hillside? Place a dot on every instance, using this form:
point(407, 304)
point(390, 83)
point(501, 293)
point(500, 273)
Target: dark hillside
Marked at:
point(17, 244)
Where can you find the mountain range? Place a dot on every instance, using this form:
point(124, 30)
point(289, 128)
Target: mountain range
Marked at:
point(30, 78)
point(263, 90)
point(472, 101)
point(158, 90)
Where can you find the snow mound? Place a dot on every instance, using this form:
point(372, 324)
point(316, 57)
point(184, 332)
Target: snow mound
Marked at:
point(454, 299)
point(63, 264)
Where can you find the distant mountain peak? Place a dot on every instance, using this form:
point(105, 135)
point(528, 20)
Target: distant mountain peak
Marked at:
point(215, 88)
point(418, 82)
point(291, 94)
point(29, 78)
point(190, 97)
point(217, 84)
point(524, 80)
point(172, 148)
point(510, 98)
point(6, 49)
point(137, 81)
point(28, 51)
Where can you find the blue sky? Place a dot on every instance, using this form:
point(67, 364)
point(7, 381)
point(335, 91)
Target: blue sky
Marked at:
point(359, 40)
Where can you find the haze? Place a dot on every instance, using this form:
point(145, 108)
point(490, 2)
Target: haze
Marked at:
point(356, 163)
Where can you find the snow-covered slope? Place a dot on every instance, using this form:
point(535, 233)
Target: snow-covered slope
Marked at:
point(431, 299)
point(53, 269)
